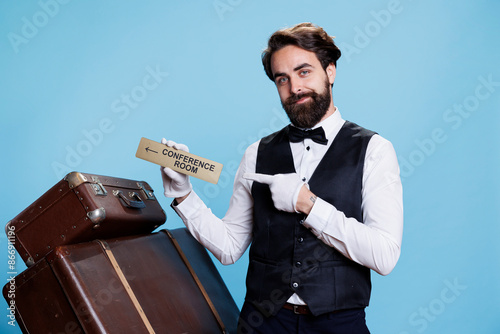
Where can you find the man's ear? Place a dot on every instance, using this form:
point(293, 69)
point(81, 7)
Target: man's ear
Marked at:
point(331, 71)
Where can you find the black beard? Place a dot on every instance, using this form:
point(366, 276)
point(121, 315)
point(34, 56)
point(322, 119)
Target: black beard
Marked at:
point(308, 114)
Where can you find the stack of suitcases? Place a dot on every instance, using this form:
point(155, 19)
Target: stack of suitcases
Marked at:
point(95, 265)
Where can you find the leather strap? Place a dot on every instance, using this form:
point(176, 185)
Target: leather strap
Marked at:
point(197, 280)
point(297, 309)
point(125, 284)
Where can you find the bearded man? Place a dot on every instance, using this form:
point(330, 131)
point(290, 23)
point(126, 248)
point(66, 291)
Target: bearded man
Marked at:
point(318, 202)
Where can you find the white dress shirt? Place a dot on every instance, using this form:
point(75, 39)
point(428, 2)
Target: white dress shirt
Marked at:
point(375, 244)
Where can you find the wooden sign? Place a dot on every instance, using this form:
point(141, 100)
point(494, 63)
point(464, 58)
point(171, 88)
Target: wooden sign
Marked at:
point(180, 161)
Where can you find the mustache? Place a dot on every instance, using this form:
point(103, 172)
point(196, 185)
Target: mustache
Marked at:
point(296, 97)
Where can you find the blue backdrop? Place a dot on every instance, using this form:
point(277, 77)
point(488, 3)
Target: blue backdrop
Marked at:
point(83, 81)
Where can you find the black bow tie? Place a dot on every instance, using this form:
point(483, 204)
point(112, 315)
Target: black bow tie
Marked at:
point(317, 135)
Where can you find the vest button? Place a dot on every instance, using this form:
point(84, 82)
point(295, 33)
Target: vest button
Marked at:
point(295, 285)
point(298, 264)
point(300, 240)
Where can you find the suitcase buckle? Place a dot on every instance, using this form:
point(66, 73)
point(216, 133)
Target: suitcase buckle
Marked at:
point(98, 187)
point(149, 193)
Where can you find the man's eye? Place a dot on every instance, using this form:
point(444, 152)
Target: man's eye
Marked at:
point(304, 72)
point(282, 81)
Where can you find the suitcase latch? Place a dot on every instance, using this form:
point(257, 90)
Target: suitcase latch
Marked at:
point(149, 193)
point(98, 187)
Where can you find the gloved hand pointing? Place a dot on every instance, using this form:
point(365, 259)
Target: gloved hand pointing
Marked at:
point(284, 188)
point(175, 184)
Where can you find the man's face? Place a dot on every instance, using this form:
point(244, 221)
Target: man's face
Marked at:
point(303, 85)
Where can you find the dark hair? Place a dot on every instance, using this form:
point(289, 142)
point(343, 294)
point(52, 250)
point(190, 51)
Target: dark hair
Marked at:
point(306, 36)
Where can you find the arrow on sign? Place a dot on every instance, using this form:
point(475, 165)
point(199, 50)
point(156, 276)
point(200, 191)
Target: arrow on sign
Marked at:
point(148, 149)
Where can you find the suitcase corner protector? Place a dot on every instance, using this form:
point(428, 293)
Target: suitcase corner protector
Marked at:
point(74, 179)
point(7, 227)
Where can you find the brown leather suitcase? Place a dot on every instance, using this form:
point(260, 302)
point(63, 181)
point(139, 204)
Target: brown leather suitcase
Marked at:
point(205, 269)
point(163, 282)
point(83, 207)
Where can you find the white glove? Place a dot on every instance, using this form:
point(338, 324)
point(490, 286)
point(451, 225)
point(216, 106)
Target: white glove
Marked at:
point(175, 184)
point(284, 188)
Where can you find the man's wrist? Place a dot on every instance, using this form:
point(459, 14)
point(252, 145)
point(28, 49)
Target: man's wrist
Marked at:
point(313, 198)
point(305, 200)
point(179, 200)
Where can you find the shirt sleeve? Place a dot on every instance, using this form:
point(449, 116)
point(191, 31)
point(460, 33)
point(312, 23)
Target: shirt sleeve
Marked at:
point(229, 237)
point(376, 243)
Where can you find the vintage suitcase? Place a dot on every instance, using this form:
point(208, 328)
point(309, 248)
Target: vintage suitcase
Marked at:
point(164, 282)
point(84, 207)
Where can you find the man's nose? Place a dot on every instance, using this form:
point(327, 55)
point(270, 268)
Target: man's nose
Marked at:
point(295, 86)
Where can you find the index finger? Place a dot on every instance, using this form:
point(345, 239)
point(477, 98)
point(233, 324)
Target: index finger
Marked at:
point(261, 178)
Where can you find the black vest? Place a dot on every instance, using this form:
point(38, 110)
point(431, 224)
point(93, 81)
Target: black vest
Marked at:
point(287, 258)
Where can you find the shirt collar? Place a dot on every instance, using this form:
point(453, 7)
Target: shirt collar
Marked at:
point(332, 124)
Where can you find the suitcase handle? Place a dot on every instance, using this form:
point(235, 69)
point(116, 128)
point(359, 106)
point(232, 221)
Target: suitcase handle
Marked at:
point(134, 204)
